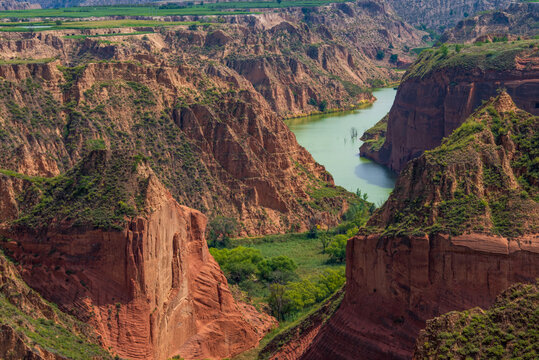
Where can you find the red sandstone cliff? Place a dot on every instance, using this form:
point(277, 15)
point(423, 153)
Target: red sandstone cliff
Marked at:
point(439, 92)
point(458, 229)
point(150, 289)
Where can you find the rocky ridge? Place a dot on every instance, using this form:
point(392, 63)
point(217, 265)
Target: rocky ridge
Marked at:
point(445, 85)
point(17, 5)
point(398, 277)
point(518, 20)
point(133, 265)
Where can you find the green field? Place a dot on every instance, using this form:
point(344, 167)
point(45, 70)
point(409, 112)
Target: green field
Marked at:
point(206, 9)
point(306, 252)
point(84, 25)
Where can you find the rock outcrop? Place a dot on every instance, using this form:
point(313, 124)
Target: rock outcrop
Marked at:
point(444, 87)
point(108, 243)
point(518, 20)
point(458, 229)
point(17, 5)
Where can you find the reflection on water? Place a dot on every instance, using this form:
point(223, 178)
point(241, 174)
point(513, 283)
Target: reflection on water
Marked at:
point(375, 174)
point(333, 140)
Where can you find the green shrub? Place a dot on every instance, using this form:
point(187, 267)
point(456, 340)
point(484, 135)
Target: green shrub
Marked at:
point(337, 248)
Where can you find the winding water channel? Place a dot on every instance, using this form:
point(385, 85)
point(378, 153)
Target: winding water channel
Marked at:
point(333, 140)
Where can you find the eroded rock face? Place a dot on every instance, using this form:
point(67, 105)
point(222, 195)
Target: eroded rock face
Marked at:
point(395, 284)
point(430, 107)
point(151, 290)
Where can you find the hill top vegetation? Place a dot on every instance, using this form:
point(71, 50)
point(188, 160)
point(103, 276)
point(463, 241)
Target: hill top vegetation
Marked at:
point(498, 56)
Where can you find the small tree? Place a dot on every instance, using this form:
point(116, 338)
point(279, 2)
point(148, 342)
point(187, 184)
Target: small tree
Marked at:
point(380, 55)
point(220, 230)
point(58, 22)
point(278, 301)
point(325, 240)
point(394, 58)
point(337, 248)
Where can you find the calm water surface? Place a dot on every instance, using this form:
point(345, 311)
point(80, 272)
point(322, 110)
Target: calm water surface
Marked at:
point(333, 140)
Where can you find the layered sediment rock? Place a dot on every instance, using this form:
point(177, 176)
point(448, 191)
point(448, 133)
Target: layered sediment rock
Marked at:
point(217, 145)
point(146, 281)
point(440, 91)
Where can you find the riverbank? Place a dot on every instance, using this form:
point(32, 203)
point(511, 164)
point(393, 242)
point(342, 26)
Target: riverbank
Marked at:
point(333, 140)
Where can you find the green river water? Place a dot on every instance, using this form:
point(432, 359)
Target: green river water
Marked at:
point(333, 141)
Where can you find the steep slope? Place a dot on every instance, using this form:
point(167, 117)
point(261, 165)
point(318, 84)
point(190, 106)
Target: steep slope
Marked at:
point(508, 329)
point(460, 227)
point(217, 146)
point(108, 243)
point(445, 85)
point(517, 20)
point(440, 14)
point(32, 328)
point(199, 103)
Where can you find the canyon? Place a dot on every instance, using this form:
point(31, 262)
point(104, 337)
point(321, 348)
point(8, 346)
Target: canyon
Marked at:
point(210, 95)
point(120, 142)
point(450, 237)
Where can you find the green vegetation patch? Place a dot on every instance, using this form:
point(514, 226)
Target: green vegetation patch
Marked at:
point(375, 137)
point(499, 56)
point(508, 330)
point(81, 36)
point(101, 191)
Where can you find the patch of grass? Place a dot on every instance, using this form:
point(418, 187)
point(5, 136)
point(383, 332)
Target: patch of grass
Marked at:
point(26, 61)
point(98, 192)
point(509, 329)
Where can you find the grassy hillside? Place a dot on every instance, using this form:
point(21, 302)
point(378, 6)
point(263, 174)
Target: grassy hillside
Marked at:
point(40, 324)
point(495, 56)
point(508, 330)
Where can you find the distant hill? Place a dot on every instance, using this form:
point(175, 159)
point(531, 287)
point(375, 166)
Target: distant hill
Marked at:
point(516, 20)
point(441, 14)
point(17, 5)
